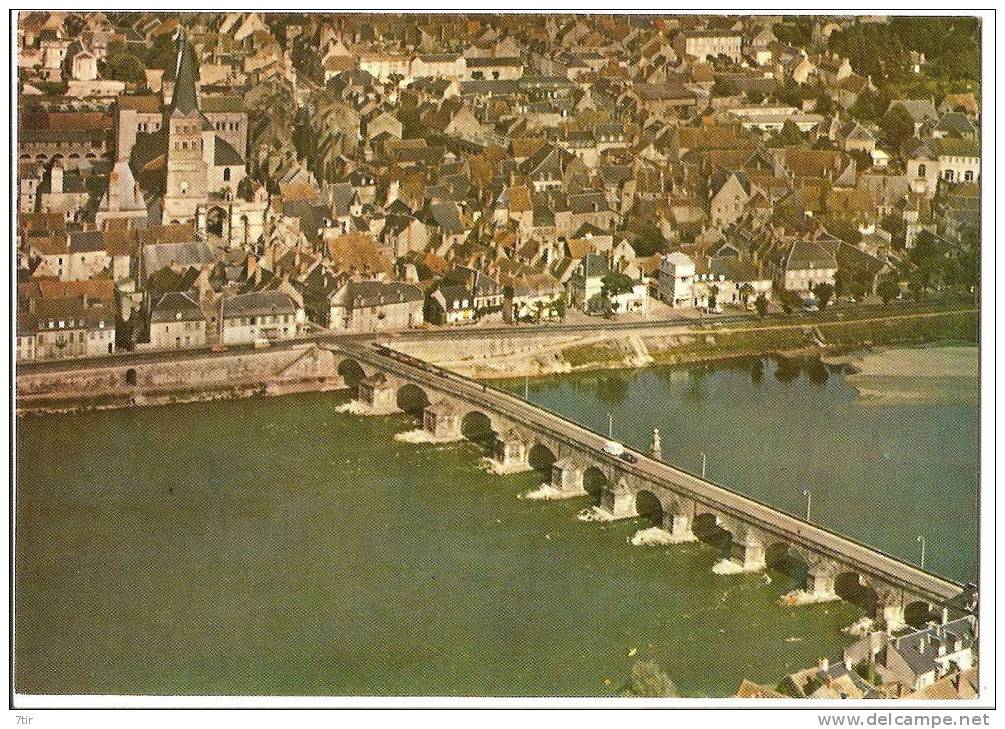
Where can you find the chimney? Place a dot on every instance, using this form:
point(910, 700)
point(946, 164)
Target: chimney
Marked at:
point(945, 615)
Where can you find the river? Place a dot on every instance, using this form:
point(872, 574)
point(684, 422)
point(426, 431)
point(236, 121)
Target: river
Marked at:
point(278, 546)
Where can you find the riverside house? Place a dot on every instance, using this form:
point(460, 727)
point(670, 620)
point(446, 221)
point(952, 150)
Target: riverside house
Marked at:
point(371, 306)
point(272, 315)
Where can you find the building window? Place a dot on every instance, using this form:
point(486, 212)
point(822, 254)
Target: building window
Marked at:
point(226, 174)
point(921, 170)
point(968, 176)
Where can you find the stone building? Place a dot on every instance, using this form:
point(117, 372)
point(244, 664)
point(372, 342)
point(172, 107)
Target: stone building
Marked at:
point(676, 277)
point(192, 165)
point(372, 306)
point(270, 315)
point(705, 44)
point(177, 321)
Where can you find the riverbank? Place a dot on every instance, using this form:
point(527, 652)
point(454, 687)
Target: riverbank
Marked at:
point(612, 350)
point(310, 368)
point(939, 374)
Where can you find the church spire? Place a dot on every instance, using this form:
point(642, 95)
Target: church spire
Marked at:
point(184, 98)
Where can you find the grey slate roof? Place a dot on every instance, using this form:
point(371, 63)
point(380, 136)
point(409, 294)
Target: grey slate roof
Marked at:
point(224, 154)
point(357, 294)
point(160, 255)
point(176, 306)
point(259, 302)
point(184, 98)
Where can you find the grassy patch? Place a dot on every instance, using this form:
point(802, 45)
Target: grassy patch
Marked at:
point(580, 355)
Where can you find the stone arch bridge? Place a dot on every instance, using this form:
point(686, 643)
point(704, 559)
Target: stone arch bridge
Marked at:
point(751, 534)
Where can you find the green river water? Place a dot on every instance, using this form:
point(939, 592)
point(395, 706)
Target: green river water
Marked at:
point(278, 546)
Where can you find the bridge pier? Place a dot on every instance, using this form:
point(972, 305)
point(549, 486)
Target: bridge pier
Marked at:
point(378, 394)
point(679, 526)
point(820, 581)
point(747, 550)
point(442, 421)
point(618, 501)
point(511, 454)
point(890, 608)
point(567, 476)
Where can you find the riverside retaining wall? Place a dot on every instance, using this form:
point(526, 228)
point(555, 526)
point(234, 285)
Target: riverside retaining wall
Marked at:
point(202, 376)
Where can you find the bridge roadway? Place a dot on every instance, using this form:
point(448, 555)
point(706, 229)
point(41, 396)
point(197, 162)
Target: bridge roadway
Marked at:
point(797, 532)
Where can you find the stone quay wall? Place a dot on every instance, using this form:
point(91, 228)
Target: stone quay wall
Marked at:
point(177, 379)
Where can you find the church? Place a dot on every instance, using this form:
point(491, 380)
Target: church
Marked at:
point(186, 157)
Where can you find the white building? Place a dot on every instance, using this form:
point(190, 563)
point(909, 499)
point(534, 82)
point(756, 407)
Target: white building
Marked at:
point(807, 265)
point(676, 277)
point(959, 159)
point(272, 315)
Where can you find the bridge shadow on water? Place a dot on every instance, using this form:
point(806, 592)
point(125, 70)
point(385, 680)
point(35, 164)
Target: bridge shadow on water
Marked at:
point(708, 531)
point(594, 482)
point(412, 400)
point(477, 428)
point(541, 459)
point(849, 588)
point(786, 564)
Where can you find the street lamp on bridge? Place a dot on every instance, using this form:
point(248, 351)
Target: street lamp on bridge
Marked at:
point(809, 500)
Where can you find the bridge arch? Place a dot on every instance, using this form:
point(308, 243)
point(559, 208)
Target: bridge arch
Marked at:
point(477, 427)
point(541, 457)
point(595, 482)
point(780, 557)
point(852, 588)
point(707, 527)
point(649, 507)
point(351, 373)
point(412, 399)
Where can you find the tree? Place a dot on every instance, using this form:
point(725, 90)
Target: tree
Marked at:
point(124, 66)
point(869, 106)
point(888, 290)
point(823, 291)
point(917, 282)
point(713, 295)
point(649, 241)
point(790, 135)
point(163, 53)
point(615, 283)
point(761, 304)
point(558, 306)
point(897, 126)
point(721, 89)
point(648, 680)
point(824, 105)
point(790, 300)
